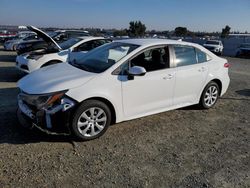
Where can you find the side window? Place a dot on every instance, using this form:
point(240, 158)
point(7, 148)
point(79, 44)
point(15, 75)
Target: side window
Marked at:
point(98, 43)
point(153, 59)
point(87, 46)
point(61, 37)
point(103, 41)
point(185, 55)
point(201, 56)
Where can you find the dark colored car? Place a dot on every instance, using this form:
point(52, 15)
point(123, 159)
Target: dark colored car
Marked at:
point(243, 50)
point(5, 36)
point(58, 36)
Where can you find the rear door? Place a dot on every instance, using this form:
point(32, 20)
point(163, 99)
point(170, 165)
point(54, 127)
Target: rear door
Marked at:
point(190, 75)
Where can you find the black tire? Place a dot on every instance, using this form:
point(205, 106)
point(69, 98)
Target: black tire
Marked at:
point(14, 48)
point(203, 104)
point(84, 107)
point(23, 122)
point(237, 55)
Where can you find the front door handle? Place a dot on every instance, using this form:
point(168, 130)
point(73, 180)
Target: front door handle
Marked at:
point(168, 77)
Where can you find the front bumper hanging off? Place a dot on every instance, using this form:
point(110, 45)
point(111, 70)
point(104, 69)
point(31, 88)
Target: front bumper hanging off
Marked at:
point(54, 120)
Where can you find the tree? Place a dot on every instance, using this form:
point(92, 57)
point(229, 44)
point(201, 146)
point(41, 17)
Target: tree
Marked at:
point(180, 31)
point(136, 29)
point(120, 33)
point(225, 31)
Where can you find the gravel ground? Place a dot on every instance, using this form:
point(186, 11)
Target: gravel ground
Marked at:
point(181, 148)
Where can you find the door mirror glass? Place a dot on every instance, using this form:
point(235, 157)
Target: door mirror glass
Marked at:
point(137, 71)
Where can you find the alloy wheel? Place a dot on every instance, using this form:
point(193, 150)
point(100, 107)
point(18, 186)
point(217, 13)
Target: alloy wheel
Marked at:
point(92, 121)
point(211, 96)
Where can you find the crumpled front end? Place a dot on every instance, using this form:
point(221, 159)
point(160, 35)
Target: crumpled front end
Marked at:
point(50, 114)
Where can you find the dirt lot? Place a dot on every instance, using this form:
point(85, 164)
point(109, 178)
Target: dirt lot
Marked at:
point(181, 148)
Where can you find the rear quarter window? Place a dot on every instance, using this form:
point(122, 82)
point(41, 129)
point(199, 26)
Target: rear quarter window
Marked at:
point(202, 56)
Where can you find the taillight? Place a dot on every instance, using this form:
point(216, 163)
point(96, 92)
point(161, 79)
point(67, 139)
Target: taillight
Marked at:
point(226, 65)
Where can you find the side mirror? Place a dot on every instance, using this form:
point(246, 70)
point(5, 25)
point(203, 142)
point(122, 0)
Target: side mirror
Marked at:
point(75, 49)
point(136, 71)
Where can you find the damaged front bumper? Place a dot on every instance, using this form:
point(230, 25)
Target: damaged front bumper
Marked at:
point(52, 120)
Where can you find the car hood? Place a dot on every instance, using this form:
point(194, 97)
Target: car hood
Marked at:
point(44, 36)
point(54, 78)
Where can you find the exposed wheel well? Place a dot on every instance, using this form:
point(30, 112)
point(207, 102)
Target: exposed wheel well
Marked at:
point(217, 81)
point(51, 62)
point(109, 104)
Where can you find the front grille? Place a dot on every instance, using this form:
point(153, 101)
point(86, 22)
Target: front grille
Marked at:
point(25, 67)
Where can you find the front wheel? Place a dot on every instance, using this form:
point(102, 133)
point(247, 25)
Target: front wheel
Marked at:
point(209, 95)
point(91, 120)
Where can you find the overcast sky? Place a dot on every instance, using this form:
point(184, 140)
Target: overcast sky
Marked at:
point(196, 15)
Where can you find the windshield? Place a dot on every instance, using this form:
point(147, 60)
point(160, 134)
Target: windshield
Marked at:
point(67, 44)
point(103, 57)
point(213, 42)
point(52, 34)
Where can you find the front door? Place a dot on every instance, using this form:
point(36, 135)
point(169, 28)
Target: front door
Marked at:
point(152, 92)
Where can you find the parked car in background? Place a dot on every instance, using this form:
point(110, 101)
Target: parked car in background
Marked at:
point(214, 46)
point(21, 37)
point(58, 36)
point(243, 50)
point(6, 35)
point(120, 81)
point(68, 50)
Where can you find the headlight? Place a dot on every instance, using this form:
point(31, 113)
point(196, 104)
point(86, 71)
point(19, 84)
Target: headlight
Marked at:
point(35, 57)
point(42, 101)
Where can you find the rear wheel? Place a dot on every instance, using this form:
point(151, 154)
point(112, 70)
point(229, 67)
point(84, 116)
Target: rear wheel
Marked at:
point(91, 120)
point(209, 95)
point(14, 48)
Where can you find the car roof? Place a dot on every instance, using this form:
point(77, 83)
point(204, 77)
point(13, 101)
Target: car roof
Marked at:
point(73, 31)
point(151, 41)
point(215, 40)
point(89, 37)
point(144, 43)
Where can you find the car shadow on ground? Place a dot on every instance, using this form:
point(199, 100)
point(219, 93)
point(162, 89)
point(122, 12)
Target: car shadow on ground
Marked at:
point(244, 92)
point(10, 74)
point(8, 58)
point(11, 131)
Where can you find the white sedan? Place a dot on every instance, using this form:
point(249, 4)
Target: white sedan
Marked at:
point(69, 50)
point(21, 37)
point(121, 81)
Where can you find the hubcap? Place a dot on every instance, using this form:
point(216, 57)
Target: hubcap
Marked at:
point(211, 96)
point(92, 121)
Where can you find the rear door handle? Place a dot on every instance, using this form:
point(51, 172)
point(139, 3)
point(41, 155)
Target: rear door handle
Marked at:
point(202, 69)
